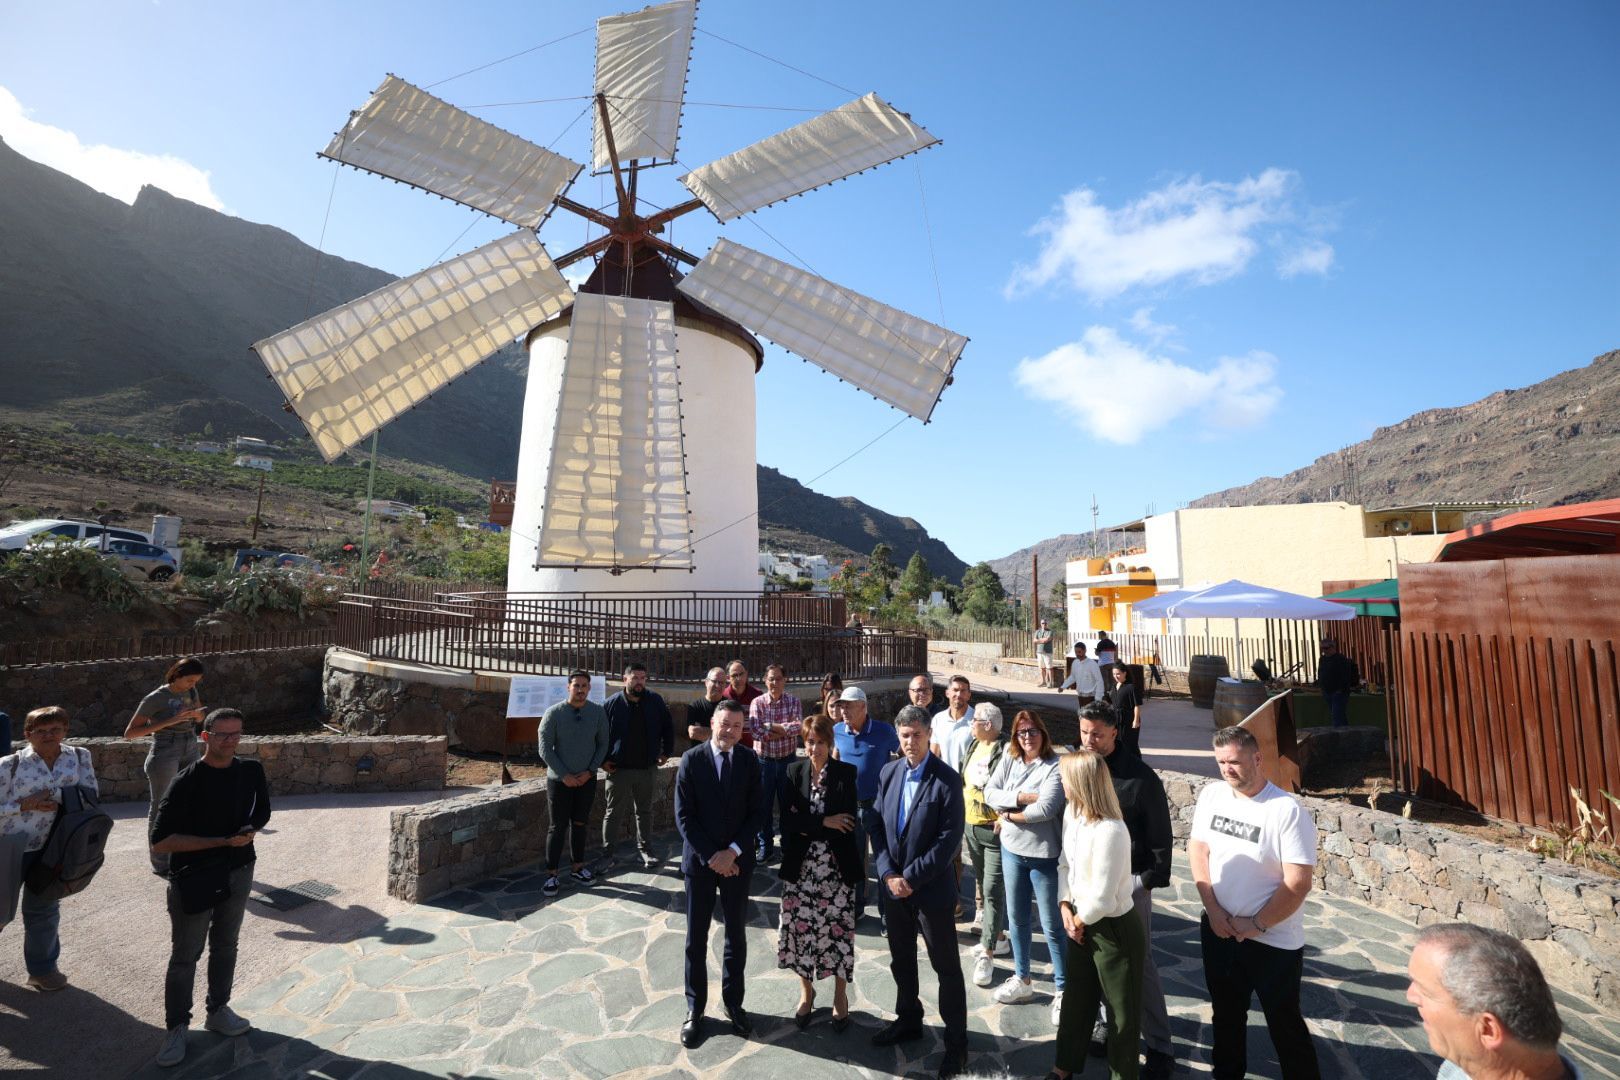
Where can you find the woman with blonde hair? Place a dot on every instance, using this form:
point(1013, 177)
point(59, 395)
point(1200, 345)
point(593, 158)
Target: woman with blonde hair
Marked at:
point(1107, 942)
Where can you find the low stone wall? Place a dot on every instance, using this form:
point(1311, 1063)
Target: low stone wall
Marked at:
point(1567, 917)
point(294, 764)
point(268, 685)
point(456, 841)
point(952, 661)
point(368, 697)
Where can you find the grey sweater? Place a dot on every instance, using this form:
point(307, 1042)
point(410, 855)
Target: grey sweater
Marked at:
point(1041, 834)
point(573, 740)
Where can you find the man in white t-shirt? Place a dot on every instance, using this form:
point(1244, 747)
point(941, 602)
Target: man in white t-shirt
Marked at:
point(953, 725)
point(1252, 850)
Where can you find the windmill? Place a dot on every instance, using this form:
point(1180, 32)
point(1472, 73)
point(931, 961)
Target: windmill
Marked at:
point(637, 448)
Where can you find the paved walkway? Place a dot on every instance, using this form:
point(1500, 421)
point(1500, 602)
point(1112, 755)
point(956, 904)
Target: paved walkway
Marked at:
point(497, 982)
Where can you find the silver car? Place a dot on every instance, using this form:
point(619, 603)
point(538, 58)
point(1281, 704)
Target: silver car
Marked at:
point(138, 560)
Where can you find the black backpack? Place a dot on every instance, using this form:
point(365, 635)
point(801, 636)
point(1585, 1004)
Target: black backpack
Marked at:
point(75, 848)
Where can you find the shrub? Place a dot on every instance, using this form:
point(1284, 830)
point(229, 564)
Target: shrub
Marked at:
point(71, 568)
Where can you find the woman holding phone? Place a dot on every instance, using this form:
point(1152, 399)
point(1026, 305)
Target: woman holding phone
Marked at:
point(170, 714)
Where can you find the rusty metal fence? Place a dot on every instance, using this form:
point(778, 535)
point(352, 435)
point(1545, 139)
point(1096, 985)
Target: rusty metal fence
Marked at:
point(679, 636)
point(1509, 725)
point(89, 650)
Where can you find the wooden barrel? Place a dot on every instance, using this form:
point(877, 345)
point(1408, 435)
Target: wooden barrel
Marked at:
point(1202, 671)
point(1236, 699)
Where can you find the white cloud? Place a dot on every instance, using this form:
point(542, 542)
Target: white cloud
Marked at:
point(1314, 258)
point(108, 169)
point(1093, 379)
point(1202, 231)
point(1154, 333)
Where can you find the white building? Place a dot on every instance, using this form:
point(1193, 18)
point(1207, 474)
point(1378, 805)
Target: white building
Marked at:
point(1294, 546)
point(254, 461)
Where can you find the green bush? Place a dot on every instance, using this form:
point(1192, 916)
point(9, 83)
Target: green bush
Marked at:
point(67, 566)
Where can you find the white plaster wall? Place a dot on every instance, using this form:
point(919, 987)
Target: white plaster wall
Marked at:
point(717, 388)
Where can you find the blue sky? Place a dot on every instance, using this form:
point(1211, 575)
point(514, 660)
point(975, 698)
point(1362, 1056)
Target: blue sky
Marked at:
point(1192, 244)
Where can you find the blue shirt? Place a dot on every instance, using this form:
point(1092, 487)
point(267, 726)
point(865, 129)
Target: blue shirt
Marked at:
point(868, 752)
point(908, 791)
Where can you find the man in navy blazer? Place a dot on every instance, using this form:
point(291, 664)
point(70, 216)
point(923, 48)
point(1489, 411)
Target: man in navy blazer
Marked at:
point(920, 801)
point(719, 810)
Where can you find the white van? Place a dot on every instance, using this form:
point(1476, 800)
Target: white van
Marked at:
point(19, 534)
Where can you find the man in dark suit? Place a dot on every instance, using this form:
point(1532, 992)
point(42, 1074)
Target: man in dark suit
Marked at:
point(920, 801)
point(719, 810)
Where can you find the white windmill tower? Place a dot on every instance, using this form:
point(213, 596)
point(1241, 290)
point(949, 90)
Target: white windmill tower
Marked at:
point(637, 445)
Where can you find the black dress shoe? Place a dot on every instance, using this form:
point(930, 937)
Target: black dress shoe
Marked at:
point(692, 1031)
point(801, 1020)
point(896, 1032)
point(954, 1063)
point(740, 1024)
point(840, 1023)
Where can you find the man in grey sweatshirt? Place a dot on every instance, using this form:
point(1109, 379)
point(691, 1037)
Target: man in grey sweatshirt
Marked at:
point(573, 744)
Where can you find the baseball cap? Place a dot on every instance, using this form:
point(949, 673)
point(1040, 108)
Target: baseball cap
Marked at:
point(852, 693)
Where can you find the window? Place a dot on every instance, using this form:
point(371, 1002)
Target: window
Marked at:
point(125, 534)
point(69, 530)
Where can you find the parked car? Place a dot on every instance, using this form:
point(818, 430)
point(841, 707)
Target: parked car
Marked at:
point(252, 556)
point(19, 534)
point(138, 560)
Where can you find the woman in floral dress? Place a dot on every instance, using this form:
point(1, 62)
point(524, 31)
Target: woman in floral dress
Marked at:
point(821, 862)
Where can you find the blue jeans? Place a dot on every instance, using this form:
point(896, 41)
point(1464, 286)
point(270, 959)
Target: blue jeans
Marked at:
point(41, 918)
point(772, 774)
point(1020, 874)
point(867, 822)
point(1338, 704)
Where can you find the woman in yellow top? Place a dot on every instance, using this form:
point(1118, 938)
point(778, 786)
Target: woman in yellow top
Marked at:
point(978, 763)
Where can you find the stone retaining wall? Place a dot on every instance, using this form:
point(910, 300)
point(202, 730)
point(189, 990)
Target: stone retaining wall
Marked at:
point(294, 764)
point(268, 685)
point(366, 697)
point(1567, 917)
point(440, 845)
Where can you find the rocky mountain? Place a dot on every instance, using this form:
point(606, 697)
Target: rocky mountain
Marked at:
point(1050, 556)
point(1555, 442)
point(137, 320)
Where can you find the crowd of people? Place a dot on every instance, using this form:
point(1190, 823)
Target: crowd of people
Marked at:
point(859, 808)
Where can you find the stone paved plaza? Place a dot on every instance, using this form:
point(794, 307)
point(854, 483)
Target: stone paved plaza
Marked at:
point(496, 981)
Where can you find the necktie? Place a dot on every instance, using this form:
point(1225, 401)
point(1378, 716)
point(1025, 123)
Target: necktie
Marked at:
point(725, 771)
point(905, 800)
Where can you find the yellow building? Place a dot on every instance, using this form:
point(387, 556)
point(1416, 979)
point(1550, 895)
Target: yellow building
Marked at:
point(1295, 546)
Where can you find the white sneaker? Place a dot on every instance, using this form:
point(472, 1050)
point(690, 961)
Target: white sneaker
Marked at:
point(1057, 1008)
point(1003, 946)
point(984, 970)
point(174, 1047)
point(225, 1021)
point(1014, 991)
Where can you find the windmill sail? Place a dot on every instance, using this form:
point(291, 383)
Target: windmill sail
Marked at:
point(895, 357)
point(616, 487)
point(409, 135)
point(641, 62)
point(860, 135)
point(350, 371)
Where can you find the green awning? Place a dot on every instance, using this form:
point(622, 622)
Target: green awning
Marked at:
point(1379, 598)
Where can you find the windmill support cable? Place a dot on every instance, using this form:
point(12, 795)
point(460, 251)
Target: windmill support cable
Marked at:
point(514, 56)
point(774, 60)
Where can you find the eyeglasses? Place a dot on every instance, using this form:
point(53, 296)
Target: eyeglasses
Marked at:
point(223, 736)
point(1029, 731)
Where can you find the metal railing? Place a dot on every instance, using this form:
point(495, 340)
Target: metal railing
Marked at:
point(679, 636)
point(90, 650)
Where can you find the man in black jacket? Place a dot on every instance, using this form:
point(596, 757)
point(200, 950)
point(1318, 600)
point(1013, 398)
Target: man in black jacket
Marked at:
point(206, 823)
point(641, 737)
point(1146, 811)
point(1336, 674)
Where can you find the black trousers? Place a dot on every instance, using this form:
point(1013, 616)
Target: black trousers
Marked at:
point(570, 811)
point(1235, 971)
point(938, 929)
point(703, 888)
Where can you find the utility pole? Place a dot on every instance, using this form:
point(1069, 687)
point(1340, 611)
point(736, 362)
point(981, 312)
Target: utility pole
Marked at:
point(258, 505)
point(1034, 592)
point(1093, 525)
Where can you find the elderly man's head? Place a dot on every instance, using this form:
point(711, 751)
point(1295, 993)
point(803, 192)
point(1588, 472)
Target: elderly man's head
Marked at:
point(1484, 1003)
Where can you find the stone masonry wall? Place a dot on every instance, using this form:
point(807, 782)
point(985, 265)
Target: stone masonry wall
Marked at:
point(294, 764)
point(268, 685)
point(439, 846)
point(1567, 917)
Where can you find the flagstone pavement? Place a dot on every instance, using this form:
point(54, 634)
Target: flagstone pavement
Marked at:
point(497, 981)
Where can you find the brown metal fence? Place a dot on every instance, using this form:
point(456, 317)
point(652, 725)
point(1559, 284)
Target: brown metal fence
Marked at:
point(679, 636)
point(1509, 725)
point(86, 650)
